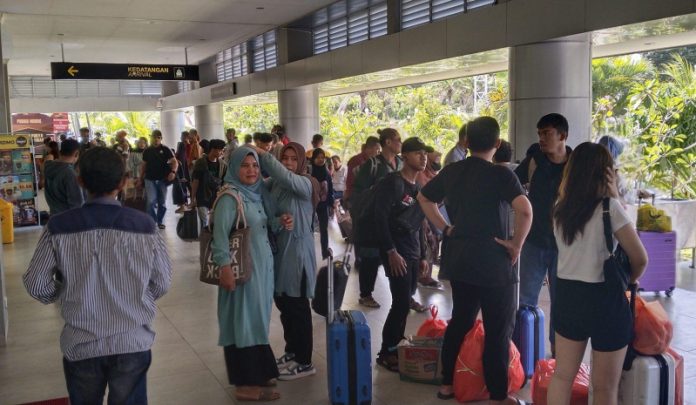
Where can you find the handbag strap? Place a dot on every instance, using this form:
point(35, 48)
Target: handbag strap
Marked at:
point(231, 191)
point(607, 226)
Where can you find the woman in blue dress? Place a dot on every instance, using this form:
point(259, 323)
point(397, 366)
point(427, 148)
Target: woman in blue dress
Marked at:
point(244, 311)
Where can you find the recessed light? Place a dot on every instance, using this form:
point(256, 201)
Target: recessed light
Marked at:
point(60, 35)
point(260, 8)
point(201, 39)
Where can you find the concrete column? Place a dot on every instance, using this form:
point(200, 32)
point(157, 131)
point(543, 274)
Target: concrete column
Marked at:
point(171, 125)
point(298, 110)
point(547, 77)
point(5, 124)
point(209, 121)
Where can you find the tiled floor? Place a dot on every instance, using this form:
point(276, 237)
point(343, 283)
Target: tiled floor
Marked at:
point(188, 367)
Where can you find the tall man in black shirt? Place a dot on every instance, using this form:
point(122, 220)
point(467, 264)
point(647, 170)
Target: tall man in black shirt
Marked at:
point(542, 171)
point(156, 173)
point(398, 225)
point(477, 258)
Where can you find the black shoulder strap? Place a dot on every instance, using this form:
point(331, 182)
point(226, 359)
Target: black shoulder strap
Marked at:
point(607, 225)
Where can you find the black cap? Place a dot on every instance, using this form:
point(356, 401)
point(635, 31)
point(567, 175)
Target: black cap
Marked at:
point(413, 144)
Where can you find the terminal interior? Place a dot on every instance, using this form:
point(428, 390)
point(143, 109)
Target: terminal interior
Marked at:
point(290, 54)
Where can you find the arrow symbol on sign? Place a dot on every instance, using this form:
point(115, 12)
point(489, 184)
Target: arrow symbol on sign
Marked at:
point(72, 71)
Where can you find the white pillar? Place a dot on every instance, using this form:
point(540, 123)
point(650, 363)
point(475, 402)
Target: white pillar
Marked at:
point(298, 110)
point(209, 122)
point(171, 125)
point(547, 77)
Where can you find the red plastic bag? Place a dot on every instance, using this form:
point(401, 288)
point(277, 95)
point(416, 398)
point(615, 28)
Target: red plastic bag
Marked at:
point(469, 384)
point(542, 378)
point(433, 327)
point(653, 329)
point(678, 376)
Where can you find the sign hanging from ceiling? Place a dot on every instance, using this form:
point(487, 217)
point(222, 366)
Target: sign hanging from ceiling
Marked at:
point(122, 71)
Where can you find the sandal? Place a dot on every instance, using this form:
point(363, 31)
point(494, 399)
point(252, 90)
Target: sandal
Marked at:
point(259, 394)
point(445, 396)
point(417, 306)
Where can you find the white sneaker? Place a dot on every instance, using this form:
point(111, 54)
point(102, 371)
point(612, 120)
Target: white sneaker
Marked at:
point(295, 370)
point(285, 360)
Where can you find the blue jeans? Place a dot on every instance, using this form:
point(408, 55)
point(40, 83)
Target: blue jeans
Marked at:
point(535, 264)
point(156, 192)
point(125, 374)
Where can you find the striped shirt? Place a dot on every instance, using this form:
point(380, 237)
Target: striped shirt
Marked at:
point(107, 298)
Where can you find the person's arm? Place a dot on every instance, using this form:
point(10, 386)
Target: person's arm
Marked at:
point(161, 272)
point(385, 195)
point(224, 217)
point(194, 191)
point(74, 192)
point(631, 244)
point(39, 279)
point(523, 222)
point(430, 196)
point(300, 185)
point(522, 171)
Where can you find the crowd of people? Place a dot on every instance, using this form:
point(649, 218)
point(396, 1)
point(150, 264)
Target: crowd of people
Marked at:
point(412, 210)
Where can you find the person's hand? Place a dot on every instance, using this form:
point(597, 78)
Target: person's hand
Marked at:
point(259, 151)
point(227, 280)
point(397, 264)
point(450, 231)
point(171, 177)
point(287, 221)
point(612, 188)
point(193, 203)
point(512, 249)
point(424, 267)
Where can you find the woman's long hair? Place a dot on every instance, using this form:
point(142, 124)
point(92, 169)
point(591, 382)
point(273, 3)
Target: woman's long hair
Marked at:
point(583, 187)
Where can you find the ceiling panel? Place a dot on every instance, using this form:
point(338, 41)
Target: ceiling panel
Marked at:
point(137, 31)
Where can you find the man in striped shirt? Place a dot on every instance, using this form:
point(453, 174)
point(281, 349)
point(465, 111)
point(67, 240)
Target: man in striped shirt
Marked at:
point(107, 299)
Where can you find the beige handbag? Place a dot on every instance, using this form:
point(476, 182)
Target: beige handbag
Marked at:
point(239, 244)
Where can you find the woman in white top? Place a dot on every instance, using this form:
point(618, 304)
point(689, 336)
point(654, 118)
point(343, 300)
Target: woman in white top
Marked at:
point(338, 177)
point(586, 308)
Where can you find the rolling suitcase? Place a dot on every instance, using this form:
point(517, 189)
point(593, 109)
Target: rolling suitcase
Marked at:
point(348, 354)
point(660, 275)
point(345, 223)
point(528, 335)
point(341, 270)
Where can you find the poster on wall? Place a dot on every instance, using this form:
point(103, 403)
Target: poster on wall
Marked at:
point(25, 213)
point(17, 182)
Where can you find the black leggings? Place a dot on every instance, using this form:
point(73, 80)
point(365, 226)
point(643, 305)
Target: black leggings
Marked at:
point(296, 317)
point(401, 288)
point(323, 216)
point(497, 306)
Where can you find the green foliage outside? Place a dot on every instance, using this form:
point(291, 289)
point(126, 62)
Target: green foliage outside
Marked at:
point(136, 124)
point(648, 101)
point(653, 109)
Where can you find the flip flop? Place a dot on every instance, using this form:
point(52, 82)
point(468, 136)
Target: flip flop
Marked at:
point(522, 402)
point(263, 395)
point(445, 396)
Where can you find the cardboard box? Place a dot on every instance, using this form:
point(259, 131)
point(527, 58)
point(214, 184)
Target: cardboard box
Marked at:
point(420, 360)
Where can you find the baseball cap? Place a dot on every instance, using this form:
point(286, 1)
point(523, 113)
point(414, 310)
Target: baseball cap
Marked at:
point(413, 144)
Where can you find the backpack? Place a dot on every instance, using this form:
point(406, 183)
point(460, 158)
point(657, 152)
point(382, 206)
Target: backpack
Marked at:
point(365, 215)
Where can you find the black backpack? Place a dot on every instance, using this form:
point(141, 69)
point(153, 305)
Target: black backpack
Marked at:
point(365, 219)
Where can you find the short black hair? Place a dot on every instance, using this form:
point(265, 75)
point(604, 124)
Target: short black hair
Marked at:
point(263, 137)
point(84, 129)
point(217, 144)
point(248, 138)
point(555, 120)
point(462, 132)
point(504, 152)
point(386, 134)
point(156, 133)
point(317, 138)
point(371, 141)
point(482, 134)
point(101, 170)
point(232, 130)
point(68, 147)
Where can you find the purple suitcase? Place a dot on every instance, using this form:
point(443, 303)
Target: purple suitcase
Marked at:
point(660, 275)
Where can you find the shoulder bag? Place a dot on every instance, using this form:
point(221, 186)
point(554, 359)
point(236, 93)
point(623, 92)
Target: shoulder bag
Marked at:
point(617, 268)
point(239, 245)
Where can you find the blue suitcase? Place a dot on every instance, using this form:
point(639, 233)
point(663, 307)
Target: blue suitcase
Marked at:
point(348, 353)
point(529, 337)
point(349, 359)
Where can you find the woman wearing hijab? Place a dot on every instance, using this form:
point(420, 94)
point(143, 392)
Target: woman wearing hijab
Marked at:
point(244, 311)
point(296, 193)
point(326, 198)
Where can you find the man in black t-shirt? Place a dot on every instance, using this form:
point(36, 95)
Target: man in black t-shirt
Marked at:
point(156, 173)
point(398, 226)
point(208, 172)
point(477, 257)
point(542, 171)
